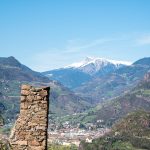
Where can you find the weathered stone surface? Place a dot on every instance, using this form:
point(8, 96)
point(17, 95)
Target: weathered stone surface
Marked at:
point(39, 97)
point(34, 143)
point(43, 93)
point(30, 130)
point(23, 98)
point(25, 87)
point(25, 92)
point(31, 98)
point(36, 148)
point(22, 143)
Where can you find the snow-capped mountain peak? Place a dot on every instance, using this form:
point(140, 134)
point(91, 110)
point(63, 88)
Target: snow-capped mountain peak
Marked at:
point(92, 60)
point(81, 63)
point(92, 65)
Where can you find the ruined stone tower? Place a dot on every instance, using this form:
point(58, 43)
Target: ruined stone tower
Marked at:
point(30, 130)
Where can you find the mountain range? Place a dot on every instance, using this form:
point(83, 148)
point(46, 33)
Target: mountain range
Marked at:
point(98, 79)
point(74, 75)
point(117, 82)
point(13, 74)
point(12, 69)
point(94, 65)
point(93, 90)
point(113, 110)
point(98, 87)
point(135, 99)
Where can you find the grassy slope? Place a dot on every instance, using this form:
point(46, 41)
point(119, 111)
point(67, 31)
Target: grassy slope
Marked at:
point(62, 100)
point(131, 133)
point(61, 147)
point(136, 99)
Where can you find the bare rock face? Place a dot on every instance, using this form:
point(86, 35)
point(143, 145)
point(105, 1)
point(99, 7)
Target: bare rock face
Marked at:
point(30, 129)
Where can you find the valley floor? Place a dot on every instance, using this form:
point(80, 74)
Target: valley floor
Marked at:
point(75, 135)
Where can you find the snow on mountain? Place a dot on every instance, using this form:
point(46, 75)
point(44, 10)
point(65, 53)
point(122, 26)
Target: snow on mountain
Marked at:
point(76, 74)
point(92, 65)
point(96, 61)
point(81, 63)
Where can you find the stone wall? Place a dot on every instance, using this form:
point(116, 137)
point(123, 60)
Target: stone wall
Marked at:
point(30, 129)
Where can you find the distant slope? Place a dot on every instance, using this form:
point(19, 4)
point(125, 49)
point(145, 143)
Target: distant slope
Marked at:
point(137, 98)
point(144, 61)
point(62, 100)
point(112, 84)
point(110, 112)
point(13, 74)
point(131, 133)
point(69, 77)
point(98, 79)
point(12, 69)
point(2, 108)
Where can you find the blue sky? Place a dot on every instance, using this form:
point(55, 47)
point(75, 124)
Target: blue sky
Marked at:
point(47, 34)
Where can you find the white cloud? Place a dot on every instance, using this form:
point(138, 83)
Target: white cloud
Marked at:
point(56, 58)
point(50, 59)
point(75, 50)
point(145, 40)
point(79, 45)
point(46, 60)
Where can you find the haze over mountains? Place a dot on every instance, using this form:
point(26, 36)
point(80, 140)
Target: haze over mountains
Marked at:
point(74, 75)
point(93, 81)
point(136, 99)
point(111, 111)
point(12, 69)
point(98, 79)
point(100, 90)
point(116, 82)
point(13, 74)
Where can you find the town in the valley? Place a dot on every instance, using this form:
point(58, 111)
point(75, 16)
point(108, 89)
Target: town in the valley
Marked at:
point(67, 134)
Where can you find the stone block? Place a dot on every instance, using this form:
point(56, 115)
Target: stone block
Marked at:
point(43, 93)
point(30, 98)
point(22, 142)
point(36, 148)
point(39, 97)
point(23, 98)
point(34, 143)
point(25, 92)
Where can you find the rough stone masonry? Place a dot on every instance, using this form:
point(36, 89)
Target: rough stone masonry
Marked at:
point(30, 129)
